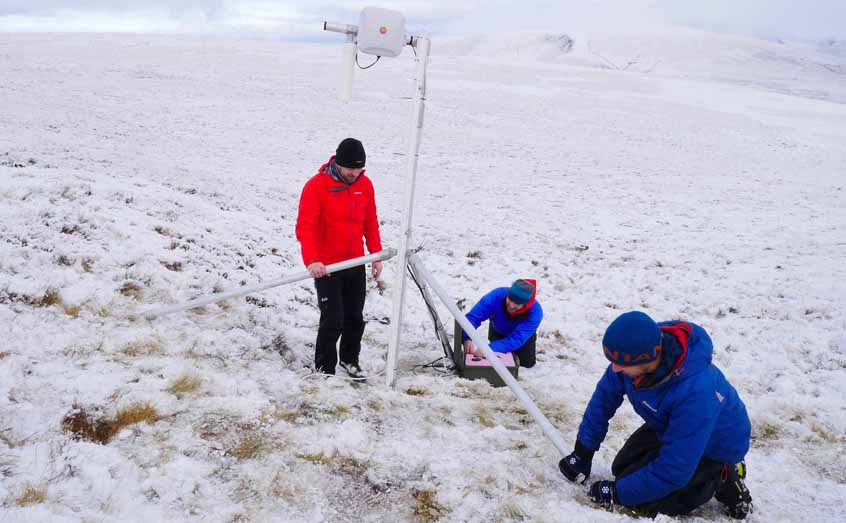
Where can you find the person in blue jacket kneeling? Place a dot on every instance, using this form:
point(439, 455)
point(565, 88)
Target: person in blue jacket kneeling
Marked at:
point(514, 316)
point(696, 434)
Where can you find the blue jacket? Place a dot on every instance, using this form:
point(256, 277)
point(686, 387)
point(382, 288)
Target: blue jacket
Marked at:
point(694, 410)
point(516, 330)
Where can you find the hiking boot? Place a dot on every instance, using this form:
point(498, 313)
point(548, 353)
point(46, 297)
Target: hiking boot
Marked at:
point(354, 371)
point(733, 492)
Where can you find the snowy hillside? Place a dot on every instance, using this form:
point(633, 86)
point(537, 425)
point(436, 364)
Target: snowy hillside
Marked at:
point(787, 67)
point(140, 171)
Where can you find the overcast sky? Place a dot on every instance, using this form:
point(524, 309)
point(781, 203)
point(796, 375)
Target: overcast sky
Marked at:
point(301, 19)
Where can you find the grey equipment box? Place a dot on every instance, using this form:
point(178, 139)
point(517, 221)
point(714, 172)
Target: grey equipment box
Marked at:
point(476, 368)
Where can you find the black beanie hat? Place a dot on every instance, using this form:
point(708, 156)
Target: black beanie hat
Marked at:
point(350, 153)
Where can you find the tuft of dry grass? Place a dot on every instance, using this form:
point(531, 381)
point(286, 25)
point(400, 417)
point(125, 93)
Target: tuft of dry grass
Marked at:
point(319, 458)
point(765, 431)
point(136, 413)
point(184, 384)
point(175, 266)
point(289, 415)
point(483, 416)
point(347, 465)
point(50, 298)
point(142, 348)
point(65, 260)
point(415, 391)
point(249, 447)
point(823, 433)
point(83, 425)
point(512, 512)
point(426, 507)
point(88, 264)
point(283, 488)
point(337, 410)
point(3, 354)
point(72, 310)
point(132, 290)
point(31, 495)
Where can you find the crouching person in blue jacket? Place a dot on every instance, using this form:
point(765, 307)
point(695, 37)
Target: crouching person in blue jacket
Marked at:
point(696, 434)
point(514, 316)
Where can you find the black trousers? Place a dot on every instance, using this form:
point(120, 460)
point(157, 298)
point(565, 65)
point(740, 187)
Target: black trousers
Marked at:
point(641, 448)
point(525, 355)
point(340, 296)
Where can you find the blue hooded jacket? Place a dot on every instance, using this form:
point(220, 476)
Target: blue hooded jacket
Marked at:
point(516, 330)
point(694, 410)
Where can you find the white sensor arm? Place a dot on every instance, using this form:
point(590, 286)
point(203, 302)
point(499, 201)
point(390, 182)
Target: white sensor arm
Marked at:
point(341, 28)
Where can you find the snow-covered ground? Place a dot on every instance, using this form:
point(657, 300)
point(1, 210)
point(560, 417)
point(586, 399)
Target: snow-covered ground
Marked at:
point(706, 182)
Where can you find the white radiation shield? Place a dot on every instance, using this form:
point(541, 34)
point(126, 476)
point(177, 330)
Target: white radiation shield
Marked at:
point(345, 84)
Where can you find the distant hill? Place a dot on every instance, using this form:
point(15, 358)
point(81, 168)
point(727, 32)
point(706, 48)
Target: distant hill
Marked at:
point(802, 69)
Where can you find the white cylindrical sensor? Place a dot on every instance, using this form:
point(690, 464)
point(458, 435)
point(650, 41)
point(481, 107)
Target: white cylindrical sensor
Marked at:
point(347, 66)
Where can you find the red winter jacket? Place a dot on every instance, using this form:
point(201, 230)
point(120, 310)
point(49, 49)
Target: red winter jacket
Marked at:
point(333, 218)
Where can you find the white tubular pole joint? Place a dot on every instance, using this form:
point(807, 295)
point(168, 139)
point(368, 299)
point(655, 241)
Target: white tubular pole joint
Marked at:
point(482, 343)
point(335, 267)
point(423, 46)
point(340, 28)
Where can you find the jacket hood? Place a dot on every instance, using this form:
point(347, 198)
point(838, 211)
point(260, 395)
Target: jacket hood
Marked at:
point(696, 350)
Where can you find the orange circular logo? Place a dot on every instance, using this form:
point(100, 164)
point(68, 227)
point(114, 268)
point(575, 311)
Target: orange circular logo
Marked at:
point(383, 30)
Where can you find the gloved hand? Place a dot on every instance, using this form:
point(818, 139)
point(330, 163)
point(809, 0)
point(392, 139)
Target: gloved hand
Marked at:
point(576, 466)
point(604, 493)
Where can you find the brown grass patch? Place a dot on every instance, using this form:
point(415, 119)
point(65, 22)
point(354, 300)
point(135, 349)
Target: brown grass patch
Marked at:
point(88, 264)
point(484, 417)
point(319, 458)
point(136, 413)
point(414, 391)
point(426, 507)
point(31, 495)
point(65, 260)
point(132, 290)
point(175, 266)
point(3, 354)
point(184, 384)
point(765, 431)
point(512, 512)
point(83, 425)
point(72, 310)
point(341, 464)
point(51, 297)
point(248, 448)
point(142, 348)
point(288, 415)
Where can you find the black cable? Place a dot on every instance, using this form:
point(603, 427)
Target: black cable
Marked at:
point(439, 331)
point(442, 369)
point(369, 66)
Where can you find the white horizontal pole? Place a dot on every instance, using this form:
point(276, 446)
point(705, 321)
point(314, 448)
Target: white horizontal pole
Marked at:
point(335, 267)
point(482, 343)
point(340, 28)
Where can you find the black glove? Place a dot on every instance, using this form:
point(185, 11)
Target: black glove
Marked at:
point(576, 466)
point(604, 493)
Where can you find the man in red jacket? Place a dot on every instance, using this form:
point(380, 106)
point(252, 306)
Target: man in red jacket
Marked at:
point(337, 210)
